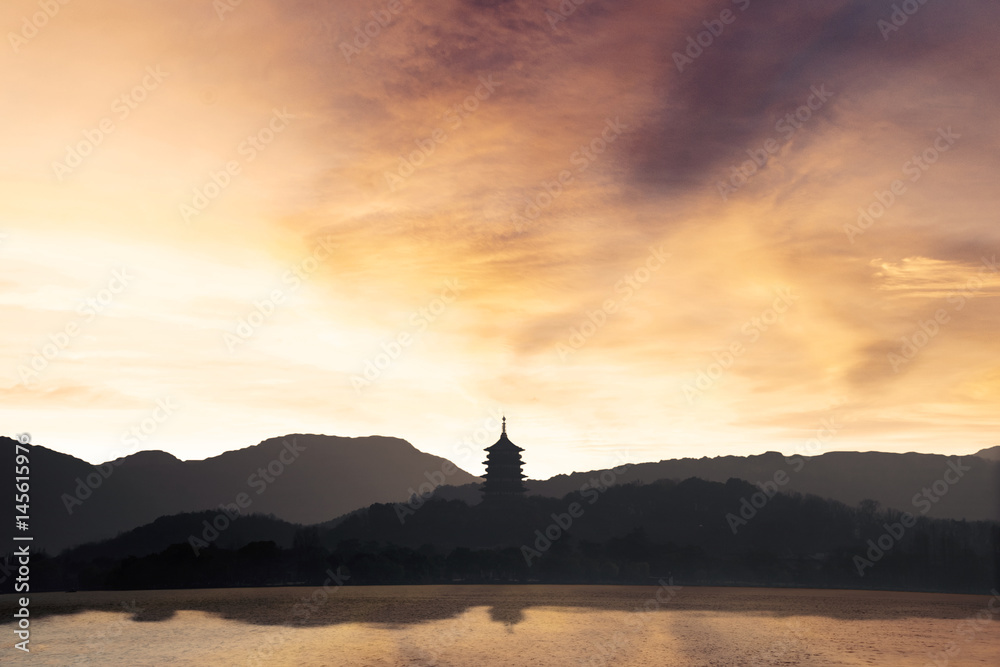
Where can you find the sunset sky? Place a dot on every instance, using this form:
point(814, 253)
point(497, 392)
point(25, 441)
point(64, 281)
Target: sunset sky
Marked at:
point(633, 227)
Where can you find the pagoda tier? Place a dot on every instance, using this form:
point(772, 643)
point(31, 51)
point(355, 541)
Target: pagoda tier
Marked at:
point(503, 469)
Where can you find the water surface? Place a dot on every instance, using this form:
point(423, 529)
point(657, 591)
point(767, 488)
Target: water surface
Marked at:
point(461, 626)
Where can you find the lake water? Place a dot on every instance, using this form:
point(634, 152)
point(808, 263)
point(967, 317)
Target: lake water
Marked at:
point(463, 626)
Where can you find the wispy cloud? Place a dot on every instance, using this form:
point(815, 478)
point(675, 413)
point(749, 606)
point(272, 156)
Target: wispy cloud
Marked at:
point(477, 159)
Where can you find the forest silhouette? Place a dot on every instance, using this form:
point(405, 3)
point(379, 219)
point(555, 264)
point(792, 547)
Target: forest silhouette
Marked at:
point(623, 534)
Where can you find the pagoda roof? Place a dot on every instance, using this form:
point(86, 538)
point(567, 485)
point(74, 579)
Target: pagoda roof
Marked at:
point(504, 444)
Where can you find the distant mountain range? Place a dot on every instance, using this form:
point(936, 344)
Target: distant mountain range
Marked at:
point(895, 481)
point(970, 484)
point(310, 479)
point(702, 533)
point(298, 478)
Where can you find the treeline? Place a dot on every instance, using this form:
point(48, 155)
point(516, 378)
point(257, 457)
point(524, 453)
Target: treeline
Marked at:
point(696, 532)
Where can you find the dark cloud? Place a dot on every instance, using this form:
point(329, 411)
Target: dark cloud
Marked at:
point(729, 98)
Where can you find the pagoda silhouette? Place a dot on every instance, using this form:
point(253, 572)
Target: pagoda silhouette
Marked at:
point(503, 469)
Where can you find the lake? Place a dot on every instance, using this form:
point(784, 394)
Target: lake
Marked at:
point(461, 626)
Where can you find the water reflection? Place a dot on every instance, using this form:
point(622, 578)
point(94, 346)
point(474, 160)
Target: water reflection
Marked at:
point(401, 606)
point(508, 615)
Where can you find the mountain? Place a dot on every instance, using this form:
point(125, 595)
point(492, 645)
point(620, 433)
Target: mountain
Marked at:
point(991, 454)
point(310, 479)
point(702, 533)
point(164, 555)
point(967, 487)
point(298, 478)
point(893, 480)
point(154, 537)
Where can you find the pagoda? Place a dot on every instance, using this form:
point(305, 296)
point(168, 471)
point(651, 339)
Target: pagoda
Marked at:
point(503, 469)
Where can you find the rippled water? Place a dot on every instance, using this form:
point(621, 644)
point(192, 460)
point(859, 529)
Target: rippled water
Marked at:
point(465, 626)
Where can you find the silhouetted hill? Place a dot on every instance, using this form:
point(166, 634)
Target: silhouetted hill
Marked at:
point(179, 528)
point(850, 477)
point(991, 453)
point(694, 532)
point(700, 532)
point(298, 478)
point(315, 478)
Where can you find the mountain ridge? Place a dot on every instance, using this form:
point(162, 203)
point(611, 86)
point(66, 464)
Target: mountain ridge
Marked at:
point(990, 453)
point(75, 502)
point(300, 478)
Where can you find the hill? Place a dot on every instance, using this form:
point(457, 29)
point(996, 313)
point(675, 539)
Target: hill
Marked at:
point(310, 479)
point(298, 478)
point(991, 453)
point(694, 532)
point(893, 480)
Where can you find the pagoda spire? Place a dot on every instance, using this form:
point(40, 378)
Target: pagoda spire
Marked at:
point(503, 425)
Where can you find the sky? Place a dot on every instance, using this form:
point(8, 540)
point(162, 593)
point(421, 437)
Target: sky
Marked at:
point(641, 229)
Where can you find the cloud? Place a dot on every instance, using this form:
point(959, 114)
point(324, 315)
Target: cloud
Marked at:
point(474, 140)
